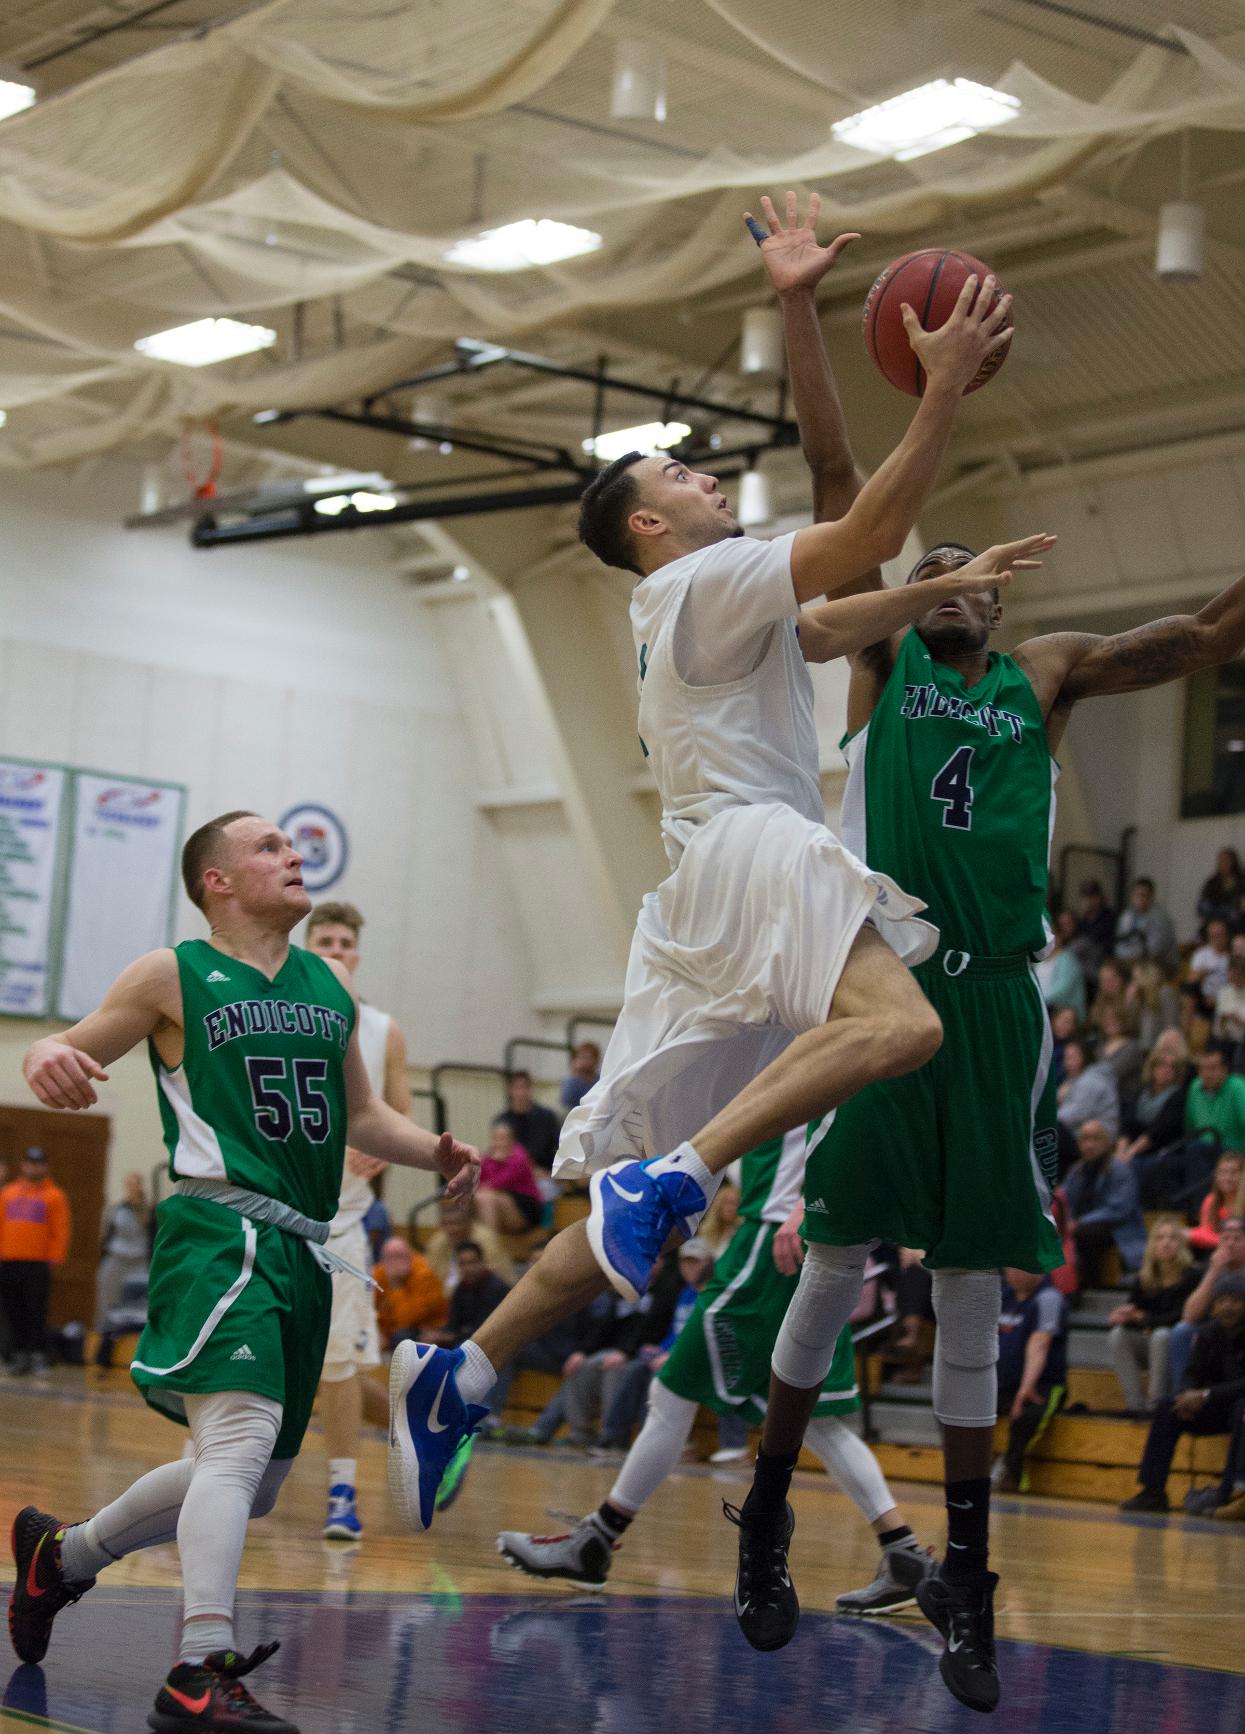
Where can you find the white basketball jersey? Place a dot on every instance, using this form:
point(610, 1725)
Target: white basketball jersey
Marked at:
point(356, 1193)
point(744, 741)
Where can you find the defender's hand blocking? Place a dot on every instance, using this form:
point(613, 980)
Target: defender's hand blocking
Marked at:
point(60, 1076)
point(993, 569)
point(952, 355)
point(460, 1164)
point(791, 253)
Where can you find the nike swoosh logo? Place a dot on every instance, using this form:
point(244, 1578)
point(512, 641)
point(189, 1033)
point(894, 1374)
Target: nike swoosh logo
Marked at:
point(32, 1583)
point(954, 1644)
point(435, 1426)
point(196, 1706)
point(961, 1504)
point(631, 1197)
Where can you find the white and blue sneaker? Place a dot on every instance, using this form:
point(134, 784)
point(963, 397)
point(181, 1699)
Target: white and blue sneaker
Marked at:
point(342, 1523)
point(634, 1212)
point(428, 1421)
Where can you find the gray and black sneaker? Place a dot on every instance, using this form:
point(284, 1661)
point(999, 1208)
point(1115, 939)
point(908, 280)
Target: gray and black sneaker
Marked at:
point(766, 1605)
point(581, 1557)
point(963, 1612)
point(901, 1570)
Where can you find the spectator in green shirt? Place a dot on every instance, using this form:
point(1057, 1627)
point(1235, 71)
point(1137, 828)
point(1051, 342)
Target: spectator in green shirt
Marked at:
point(1217, 1101)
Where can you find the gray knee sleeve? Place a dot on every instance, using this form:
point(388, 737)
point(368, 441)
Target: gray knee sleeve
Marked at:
point(966, 1305)
point(831, 1279)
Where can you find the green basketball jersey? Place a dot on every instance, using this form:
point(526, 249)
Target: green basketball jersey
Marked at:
point(260, 1096)
point(950, 791)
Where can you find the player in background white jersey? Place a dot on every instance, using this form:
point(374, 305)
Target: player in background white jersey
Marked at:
point(354, 1342)
point(760, 992)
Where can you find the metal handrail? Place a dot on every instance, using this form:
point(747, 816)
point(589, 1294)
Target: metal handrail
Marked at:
point(573, 1025)
point(543, 1042)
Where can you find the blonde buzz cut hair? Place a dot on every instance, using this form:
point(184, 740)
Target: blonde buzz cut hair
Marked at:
point(202, 850)
point(336, 915)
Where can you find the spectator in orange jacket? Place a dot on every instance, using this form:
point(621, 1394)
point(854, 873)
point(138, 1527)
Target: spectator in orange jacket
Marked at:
point(34, 1235)
point(412, 1298)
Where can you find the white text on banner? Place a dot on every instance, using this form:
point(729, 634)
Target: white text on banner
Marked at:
point(30, 821)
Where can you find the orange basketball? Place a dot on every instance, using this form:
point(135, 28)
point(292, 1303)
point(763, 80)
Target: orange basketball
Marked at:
point(930, 282)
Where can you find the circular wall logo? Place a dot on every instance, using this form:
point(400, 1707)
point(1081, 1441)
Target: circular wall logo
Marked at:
point(320, 838)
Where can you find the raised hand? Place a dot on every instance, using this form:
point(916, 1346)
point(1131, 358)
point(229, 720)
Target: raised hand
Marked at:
point(460, 1164)
point(993, 569)
point(953, 355)
point(792, 256)
point(60, 1076)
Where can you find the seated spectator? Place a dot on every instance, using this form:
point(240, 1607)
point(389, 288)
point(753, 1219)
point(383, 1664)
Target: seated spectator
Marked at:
point(600, 1369)
point(1228, 1259)
point(1215, 1109)
point(125, 1247)
point(458, 1225)
point(477, 1293)
point(1142, 1325)
point(1103, 1207)
point(1064, 1027)
point(1228, 1026)
point(535, 1127)
point(695, 1267)
point(585, 1072)
point(1220, 1202)
point(1145, 929)
point(1088, 1092)
point(508, 1199)
point(718, 1224)
point(1095, 925)
point(1060, 974)
point(912, 1343)
point(548, 1353)
point(1123, 1052)
point(1211, 1398)
point(1114, 980)
point(1033, 1369)
point(1156, 1118)
point(411, 1301)
point(1195, 1023)
point(377, 1225)
point(1208, 967)
point(1151, 1001)
point(1223, 895)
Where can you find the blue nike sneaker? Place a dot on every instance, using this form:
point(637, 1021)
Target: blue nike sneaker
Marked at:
point(634, 1213)
point(342, 1522)
point(428, 1422)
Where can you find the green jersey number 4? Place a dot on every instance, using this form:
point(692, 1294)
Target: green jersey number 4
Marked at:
point(952, 787)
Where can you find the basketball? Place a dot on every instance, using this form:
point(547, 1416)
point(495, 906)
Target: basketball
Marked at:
point(930, 282)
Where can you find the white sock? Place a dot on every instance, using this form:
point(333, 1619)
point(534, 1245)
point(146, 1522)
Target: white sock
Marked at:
point(202, 1637)
point(477, 1375)
point(684, 1160)
point(343, 1472)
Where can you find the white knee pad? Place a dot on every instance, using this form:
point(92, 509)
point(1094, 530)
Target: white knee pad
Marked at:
point(270, 1485)
point(966, 1305)
point(831, 1279)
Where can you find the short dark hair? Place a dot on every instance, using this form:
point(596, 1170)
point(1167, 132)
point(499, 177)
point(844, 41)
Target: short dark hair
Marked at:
point(470, 1246)
point(1217, 1051)
point(1142, 879)
point(513, 1077)
point(607, 503)
point(336, 915)
point(201, 849)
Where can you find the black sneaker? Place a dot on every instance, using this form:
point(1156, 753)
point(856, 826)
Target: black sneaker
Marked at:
point(210, 1696)
point(963, 1612)
point(1148, 1499)
point(40, 1591)
point(766, 1605)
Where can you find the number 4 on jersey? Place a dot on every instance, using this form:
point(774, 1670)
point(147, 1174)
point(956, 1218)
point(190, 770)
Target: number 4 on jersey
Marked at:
point(952, 787)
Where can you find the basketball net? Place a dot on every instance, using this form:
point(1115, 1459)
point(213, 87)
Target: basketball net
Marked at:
point(202, 456)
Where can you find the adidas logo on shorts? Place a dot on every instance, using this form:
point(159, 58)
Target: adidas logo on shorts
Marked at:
point(818, 1204)
point(243, 1354)
point(217, 976)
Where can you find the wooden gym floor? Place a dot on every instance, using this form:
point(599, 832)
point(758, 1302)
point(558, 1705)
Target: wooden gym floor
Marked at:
point(1106, 1625)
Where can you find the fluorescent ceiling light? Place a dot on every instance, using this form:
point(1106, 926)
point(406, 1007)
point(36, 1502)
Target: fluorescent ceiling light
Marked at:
point(334, 504)
point(346, 481)
point(4, 416)
point(650, 436)
point(206, 341)
point(14, 97)
point(926, 119)
point(515, 246)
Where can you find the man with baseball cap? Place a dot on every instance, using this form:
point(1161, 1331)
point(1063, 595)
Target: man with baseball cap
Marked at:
point(35, 1228)
point(1212, 1400)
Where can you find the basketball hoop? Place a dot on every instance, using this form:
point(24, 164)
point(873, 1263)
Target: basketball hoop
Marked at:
point(203, 457)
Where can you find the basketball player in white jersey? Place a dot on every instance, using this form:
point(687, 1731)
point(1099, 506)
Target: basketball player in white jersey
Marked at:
point(766, 981)
point(354, 1342)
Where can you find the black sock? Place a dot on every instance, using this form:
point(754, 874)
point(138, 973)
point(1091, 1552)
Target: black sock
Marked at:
point(613, 1521)
point(968, 1527)
point(770, 1482)
point(895, 1537)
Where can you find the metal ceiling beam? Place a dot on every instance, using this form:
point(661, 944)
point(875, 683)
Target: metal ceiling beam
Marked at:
point(306, 521)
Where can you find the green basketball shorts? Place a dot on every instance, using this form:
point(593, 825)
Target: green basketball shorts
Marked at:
point(721, 1356)
point(960, 1157)
point(232, 1305)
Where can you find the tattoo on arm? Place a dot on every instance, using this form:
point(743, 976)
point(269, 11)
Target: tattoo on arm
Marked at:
point(1148, 656)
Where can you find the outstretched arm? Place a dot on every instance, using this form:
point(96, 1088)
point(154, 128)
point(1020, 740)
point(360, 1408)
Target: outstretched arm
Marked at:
point(63, 1069)
point(1076, 665)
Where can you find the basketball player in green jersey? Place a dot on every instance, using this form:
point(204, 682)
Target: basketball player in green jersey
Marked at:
point(720, 1360)
point(951, 775)
point(260, 1079)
